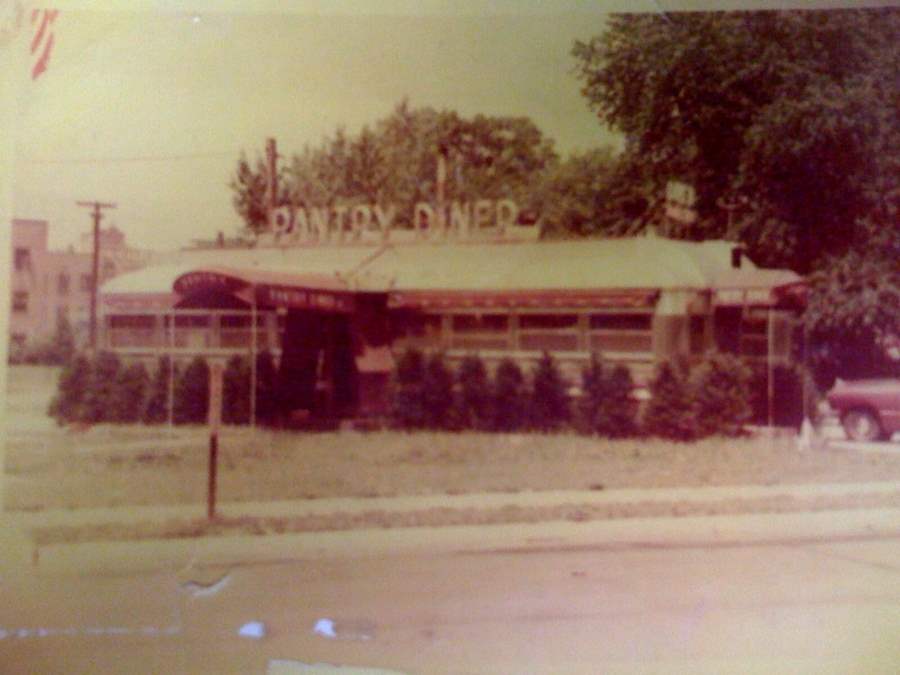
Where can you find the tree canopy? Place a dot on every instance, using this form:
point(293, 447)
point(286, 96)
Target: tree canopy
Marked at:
point(395, 161)
point(792, 115)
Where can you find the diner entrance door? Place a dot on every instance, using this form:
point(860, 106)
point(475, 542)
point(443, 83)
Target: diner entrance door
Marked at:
point(318, 372)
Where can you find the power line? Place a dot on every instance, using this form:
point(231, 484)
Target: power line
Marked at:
point(136, 158)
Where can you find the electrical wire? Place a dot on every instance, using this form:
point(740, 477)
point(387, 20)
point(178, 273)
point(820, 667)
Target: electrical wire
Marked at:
point(136, 158)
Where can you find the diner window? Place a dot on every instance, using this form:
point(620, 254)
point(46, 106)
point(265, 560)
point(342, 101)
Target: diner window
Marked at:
point(621, 332)
point(414, 329)
point(62, 283)
point(20, 301)
point(480, 331)
point(22, 259)
point(131, 321)
point(548, 332)
point(754, 340)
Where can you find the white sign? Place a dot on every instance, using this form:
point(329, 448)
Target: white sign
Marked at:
point(376, 222)
point(680, 200)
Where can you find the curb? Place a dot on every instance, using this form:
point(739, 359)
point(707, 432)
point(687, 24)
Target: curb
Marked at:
point(133, 514)
point(642, 533)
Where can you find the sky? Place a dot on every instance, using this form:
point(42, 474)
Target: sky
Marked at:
point(151, 110)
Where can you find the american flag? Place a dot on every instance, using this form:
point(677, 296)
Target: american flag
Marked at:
point(42, 40)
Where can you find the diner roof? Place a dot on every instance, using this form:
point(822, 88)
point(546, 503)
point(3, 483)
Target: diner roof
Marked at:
point(649, 263)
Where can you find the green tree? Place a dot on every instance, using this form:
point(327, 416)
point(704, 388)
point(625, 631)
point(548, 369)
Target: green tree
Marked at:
point(102, 390)
point(607, 407)
point(474, 394)
point(509, 397)
point(853, 315)
point(67, 404)
point(437, 393)
point(249, 185)
point(157, 409)
point(132, 385)
point(549, 405)
point(394, 162)
point(236, 391)
point(407, 405)
point(768, 110)
point(192, 393)
point(671, 411)
point(572, 196)
point(721, 392)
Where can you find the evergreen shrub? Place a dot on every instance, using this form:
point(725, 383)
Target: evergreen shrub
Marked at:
point(157, 409)
point(509, 397)
point(131, 390)
point(607, 407)
point(407, 404)
point(437, 393)
point(474, 400)
point(236, 391)
point(102, 391)
point(671, 411)
point(720, 385)
point(73, 384)
point(549, 403)
point(192, 393)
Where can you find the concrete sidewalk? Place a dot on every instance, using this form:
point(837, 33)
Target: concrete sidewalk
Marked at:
point(493, 500)
point(173, 555)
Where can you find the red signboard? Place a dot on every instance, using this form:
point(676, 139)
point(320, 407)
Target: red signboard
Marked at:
point(625, 298)
point(301, 298)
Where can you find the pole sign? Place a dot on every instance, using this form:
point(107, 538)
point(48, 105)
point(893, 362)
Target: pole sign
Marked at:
point(680, 201)
point(216, 371)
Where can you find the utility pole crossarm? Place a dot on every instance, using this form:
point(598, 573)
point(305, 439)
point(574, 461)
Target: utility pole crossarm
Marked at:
point(97, 216)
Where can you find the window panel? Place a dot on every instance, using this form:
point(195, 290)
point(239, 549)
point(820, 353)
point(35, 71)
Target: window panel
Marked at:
point(548, 341)
point(480, 323)
point(548, 321)
point(622, 342)
point(621, 321)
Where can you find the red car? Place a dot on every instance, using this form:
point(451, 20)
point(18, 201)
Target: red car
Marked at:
point(869, 409)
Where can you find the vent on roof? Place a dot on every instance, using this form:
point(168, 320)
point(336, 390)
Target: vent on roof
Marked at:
point(737, 255)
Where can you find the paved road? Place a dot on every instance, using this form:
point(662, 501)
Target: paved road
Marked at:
point(831, 607)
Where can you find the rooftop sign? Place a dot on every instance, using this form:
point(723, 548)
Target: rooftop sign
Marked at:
point(376, 223)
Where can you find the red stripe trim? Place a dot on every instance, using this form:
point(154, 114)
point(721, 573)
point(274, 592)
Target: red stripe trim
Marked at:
point(39, 34)
point(41, 64)
point(627, 298)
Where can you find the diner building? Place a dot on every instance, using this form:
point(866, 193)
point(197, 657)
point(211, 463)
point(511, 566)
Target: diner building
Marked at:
point(336, 316)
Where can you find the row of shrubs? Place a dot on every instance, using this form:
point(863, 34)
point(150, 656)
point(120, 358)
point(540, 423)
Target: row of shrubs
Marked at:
point(713, 397)
point(685, 403)
point(104, 390)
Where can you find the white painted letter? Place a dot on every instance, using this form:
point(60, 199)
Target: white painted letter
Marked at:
point(461, 218)
point(482, 213)
point(507, 213)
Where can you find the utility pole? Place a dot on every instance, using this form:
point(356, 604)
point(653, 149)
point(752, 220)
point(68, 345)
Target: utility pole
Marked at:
point(97, 215)
point(272, 183)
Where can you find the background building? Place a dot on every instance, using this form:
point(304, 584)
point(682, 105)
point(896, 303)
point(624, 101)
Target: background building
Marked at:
point(47, 285)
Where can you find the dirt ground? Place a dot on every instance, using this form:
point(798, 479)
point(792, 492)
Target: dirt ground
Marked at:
point(49, 467)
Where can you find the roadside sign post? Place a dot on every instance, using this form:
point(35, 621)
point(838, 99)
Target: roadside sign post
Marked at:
point(216, 370)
